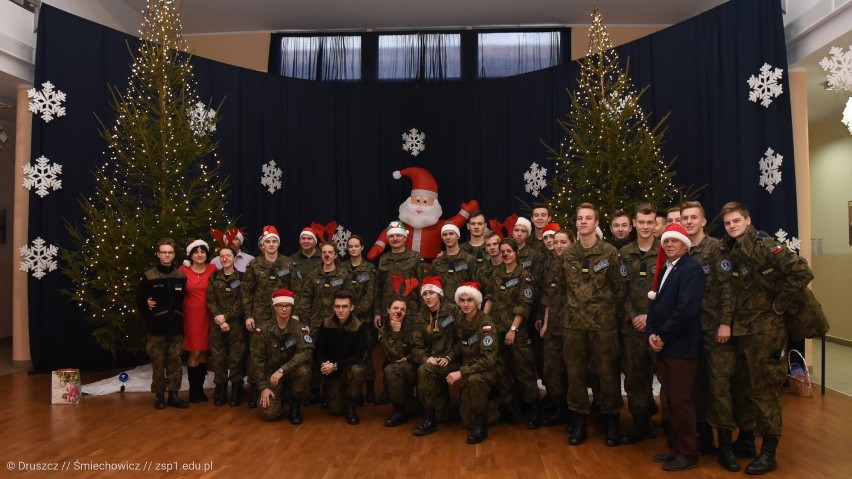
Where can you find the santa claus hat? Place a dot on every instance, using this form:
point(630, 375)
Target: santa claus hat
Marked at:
point(451, 227)
point(472, 289)
point(550, 229)
point(195, 244)
point(432, 283)
point(675, 231)
point(269, 231)
point(397, 227)
point(307, 230)
point(283, 295)
point(525, 223)
point(422, 182)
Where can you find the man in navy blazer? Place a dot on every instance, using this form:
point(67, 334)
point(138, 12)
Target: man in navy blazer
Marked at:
point(674, 331)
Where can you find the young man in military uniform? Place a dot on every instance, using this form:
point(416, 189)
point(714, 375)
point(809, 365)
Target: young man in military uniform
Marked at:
point(433, 340)
point(340, 348)
point(477, 227)
point(638, 362)
point(306, 259)
point(476, 352)
point(619, 226)
point(540, 217)
point(363, 278)
point(766, 276)
point(493, 260)
point(266, 274)
point(159, 299)
point(283, 359)
point(533, 256)
point(454, 266)
point(594, 283)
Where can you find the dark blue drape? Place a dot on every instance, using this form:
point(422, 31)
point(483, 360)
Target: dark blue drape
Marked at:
point(339, 143)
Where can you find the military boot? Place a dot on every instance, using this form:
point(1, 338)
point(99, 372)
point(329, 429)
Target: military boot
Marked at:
point(612, 437)
point(478, 431)
point(351, 413)
point(220, 394)
point(398, 417)
point(253, 394)
point(159, 401)
point(534, 414)
point(705, 438)
point(196, 383)
point(175, 401)
point(642, 429)
point(577, 430)
point(727, 458)
point(313, 398)
point(371, 391)
point(510, 411)
point(744, 445)
point(296, 412)
point(765, 461)
point(236, 393)
point(558, 415)
point(428, 426)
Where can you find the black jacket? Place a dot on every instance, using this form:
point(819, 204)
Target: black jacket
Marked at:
point(165, 285)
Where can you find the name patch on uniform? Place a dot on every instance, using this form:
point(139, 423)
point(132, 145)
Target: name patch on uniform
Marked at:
point(526, 263)
point(601, 266)
point(298, 274)
point(472, 340)
point(283, 272)
point(528, 293)
point(462, 266)
point(487, 341)
point(336, 282)
point(290, 343)
point(308, 338)
point(725, 265)
point(447, 321)
point(364, 277)
point(511, 283)
point(623, 271)
point(706, 269)
point(235, 284)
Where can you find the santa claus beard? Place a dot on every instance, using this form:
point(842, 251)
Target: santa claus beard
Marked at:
point(420, 216)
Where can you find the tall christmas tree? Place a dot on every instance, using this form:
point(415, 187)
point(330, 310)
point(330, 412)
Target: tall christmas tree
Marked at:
point(610, 156)
point(161, 180)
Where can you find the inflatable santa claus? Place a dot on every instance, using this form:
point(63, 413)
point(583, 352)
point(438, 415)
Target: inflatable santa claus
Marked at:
point(421, 213)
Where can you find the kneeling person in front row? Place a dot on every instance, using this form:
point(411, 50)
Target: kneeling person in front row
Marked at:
point(340, 349)
point(283, 359)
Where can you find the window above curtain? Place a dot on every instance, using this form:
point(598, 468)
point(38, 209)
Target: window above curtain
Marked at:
point(423, 56)
point(512, 53)
point(329, 58)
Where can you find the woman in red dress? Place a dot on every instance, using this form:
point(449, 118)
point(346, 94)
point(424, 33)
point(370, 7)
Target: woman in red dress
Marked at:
point(196, 317)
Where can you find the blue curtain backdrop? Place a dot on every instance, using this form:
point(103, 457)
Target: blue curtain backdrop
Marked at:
point(338, 143)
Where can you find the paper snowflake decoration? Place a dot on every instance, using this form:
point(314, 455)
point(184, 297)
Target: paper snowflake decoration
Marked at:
point(3, 138)
point(770, 170)
point(48, 102)
point(765, 86)
point(43, 176)
point(839, 69)
point(39, 259)
point(847, 115)
point(793, 244)
point(535, 179)
point(415, 141)
point(271, 178)
point(202, 120)
point(341, 237)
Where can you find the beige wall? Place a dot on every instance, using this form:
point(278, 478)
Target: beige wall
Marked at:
point(247, 50)
point(831, 190)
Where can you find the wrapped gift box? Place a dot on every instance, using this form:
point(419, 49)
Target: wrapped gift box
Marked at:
point(65, 387)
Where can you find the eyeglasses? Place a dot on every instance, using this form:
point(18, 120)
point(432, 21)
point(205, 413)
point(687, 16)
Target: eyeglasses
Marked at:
point(341, 306)
point(283, 306)
point(166, 252)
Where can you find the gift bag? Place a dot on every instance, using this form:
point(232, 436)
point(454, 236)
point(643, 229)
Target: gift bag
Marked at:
point(798, 376)
point(65, 387)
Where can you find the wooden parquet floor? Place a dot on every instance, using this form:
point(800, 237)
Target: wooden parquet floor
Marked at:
point(109, 431)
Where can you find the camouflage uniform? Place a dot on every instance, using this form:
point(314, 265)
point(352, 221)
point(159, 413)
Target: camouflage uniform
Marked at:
point(476, 350)
point(454, 270)
point(287, 350)
point(362, 282)
point(766, 276)
point(400, 377)
point(512, 294)
point(345, 345)
point(534, 257)
point(553, 297)
point(314, 300)
point(303, 266)
point(486, 272)
point(164, 324)
point(434, 337)
point(480, 257)
point(594, 284)
point(408, 264)
point(638, 361)
point(227, 350)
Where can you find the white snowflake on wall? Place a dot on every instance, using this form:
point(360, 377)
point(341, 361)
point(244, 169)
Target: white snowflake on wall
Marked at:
point(341, 237)
point(793, 244)
point(839, 68)
point(770, 169)
point(765, 86)
point(39, 259)
point(202, 120)
point(271, 178)
point(3, 138)
point(415, 141)
point(535, 179)
point(48, 102)
point(847, 115)
point(43, 176)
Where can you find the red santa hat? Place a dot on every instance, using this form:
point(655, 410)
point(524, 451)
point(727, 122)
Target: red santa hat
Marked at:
point(397, 227)
point(269, 231)
point(195, 244)
point(525, 223)
point(422, 182)
point(451, 227)
point(432, 283)
point(550, 229)
point(472, 289)
point(675, 231)
point(307, 230)
point(283, 295)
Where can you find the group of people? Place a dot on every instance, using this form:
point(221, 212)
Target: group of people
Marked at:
point(497, 315)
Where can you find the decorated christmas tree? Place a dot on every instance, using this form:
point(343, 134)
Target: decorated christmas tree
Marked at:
point(160, 179)
point(610, 157)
